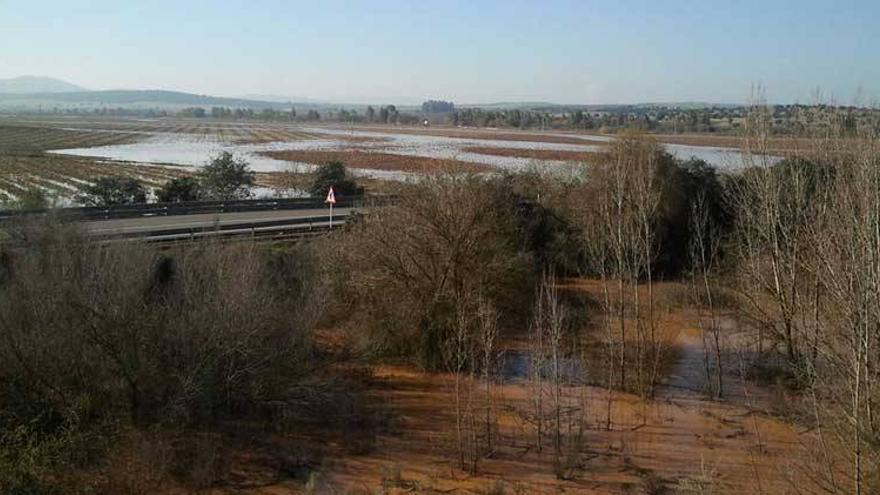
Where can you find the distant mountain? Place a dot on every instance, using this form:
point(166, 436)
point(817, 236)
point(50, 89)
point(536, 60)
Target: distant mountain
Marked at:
point(35, 84)
point(127, 99)
point(280, 98)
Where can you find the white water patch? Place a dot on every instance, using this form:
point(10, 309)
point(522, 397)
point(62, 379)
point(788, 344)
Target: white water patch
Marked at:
point(177, 149)
point(194, 150)
point(76, 181)
point(59, 185)
point(452, 148)
point(391, 139)
point(274, 193)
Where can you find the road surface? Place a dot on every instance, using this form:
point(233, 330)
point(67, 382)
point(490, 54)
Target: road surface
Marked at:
point(145, 225)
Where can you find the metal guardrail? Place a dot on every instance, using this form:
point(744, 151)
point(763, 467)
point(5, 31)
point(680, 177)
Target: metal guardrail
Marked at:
point(299, 225)
point(189, 208)
point(250, 224)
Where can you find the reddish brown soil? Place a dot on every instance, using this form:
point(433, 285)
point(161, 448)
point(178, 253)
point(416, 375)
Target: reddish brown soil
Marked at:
point(566, 156)
point(680, 440)
point(505, 135)
point(293, 180)
point(776, 146)
point(380, 161)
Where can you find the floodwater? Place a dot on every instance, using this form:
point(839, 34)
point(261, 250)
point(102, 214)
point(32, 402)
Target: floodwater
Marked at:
point(193, 150)
point(519, 365)
point(196, 150)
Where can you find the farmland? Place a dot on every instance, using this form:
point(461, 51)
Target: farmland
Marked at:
point(557, 155)
point(57, 154)
point(27, 138)
point(365, 160)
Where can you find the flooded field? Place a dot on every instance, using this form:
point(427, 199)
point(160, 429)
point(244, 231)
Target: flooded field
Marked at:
point(281, 149)
point(181, 145)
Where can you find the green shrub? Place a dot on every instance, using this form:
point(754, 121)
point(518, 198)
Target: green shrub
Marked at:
point(226, 178)
point(179, 189)
point(113, 190)
point(334, 174)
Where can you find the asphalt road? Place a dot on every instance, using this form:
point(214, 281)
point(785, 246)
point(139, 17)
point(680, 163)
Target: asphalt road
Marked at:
point(146, 225)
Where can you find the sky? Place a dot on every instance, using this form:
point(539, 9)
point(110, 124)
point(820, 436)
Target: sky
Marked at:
point(467, 51)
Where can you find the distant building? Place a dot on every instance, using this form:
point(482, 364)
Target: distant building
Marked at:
point(435, 106)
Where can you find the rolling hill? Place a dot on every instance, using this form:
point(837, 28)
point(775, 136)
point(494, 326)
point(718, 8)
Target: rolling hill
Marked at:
point(135, 99)
point(35, 84)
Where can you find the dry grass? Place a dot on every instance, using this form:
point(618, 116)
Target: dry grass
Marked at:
point(380, 161)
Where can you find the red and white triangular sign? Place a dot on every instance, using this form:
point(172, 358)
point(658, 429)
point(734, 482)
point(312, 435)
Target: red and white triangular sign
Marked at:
point(331, 197)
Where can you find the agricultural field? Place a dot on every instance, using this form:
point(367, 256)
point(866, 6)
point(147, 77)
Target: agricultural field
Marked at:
point(28, 157)
point(58, 154)
point(366, 160)
point(247, 132)
point(495, 135)
point(35, 138)
point(61, 176)
point(558, 155)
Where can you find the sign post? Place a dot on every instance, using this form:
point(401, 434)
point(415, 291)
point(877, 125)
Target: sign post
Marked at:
point(331, 200)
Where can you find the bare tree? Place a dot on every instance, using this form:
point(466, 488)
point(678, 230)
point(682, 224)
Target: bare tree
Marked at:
point(488, 334)
point(704, 250)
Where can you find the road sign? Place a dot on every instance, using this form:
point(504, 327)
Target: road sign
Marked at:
point(331, 200)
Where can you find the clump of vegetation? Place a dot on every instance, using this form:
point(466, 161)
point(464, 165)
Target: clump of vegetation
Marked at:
point(31, 199)
point(98, 339)
point(225, 178)
point(113, 190)
point(333, 173)
point(407, 267)
point(179, 189)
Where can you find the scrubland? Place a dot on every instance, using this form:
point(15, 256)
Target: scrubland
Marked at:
point(645, 324)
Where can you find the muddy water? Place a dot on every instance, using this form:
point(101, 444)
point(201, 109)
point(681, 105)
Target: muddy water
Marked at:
point(519, 365)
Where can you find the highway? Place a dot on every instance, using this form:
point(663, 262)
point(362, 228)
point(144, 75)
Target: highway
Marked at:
point(269, 218)
point(133, 227)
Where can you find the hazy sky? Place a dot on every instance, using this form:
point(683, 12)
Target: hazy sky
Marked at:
point(567, 51)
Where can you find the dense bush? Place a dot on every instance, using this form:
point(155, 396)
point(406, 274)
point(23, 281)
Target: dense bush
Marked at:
point(179, 189)
point(113, 190)
point(99, 335)
point(225, 178)
point(406, 270)
point(680, 184)
point(540, 226)
point(652, 195)
point(334, 174)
